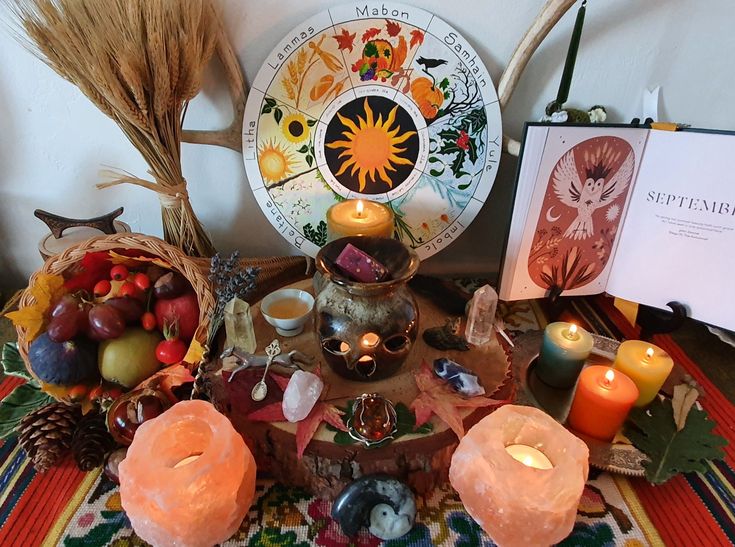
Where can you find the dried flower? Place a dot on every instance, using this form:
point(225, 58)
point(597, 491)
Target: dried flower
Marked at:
point(229, 280)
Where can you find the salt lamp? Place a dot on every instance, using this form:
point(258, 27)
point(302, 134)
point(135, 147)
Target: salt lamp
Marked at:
point(527, 495)
point(188, 478)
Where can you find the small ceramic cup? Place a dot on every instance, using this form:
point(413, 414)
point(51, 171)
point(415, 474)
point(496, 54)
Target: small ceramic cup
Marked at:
point(287, 326)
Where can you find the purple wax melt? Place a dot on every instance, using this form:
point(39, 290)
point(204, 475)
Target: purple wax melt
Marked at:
point(360, 266)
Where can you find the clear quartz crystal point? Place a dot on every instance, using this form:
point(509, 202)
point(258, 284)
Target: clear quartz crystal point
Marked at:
point(481, 316)
point(239, 326)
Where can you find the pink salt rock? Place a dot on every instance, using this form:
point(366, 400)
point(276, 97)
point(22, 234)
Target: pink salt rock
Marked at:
point(188, 478)
point(515, 504)
point(301, 394)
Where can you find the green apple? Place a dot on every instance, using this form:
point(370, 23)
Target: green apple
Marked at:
point(131, 358)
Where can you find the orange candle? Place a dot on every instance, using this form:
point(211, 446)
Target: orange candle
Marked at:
point(602, 402)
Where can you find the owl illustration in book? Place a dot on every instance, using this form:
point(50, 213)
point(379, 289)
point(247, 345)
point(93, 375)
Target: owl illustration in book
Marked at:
point(586, 191)
point(601, 186)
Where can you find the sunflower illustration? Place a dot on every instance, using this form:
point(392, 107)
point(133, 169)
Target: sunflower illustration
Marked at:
point(370, 146)
point(295, 128)
point(275, 163)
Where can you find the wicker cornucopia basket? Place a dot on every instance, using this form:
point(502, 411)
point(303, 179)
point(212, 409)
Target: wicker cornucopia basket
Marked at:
point(65, 263)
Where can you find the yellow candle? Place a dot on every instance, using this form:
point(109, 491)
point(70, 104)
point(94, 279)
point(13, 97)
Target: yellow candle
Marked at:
point(357, 217)
point(647, 365)
point(529, 456)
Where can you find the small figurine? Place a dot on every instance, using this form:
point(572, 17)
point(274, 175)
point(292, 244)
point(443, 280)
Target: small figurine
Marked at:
point(447, 336)
point(293, 359)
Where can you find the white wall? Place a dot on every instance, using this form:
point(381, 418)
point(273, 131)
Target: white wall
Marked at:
point(53, 141)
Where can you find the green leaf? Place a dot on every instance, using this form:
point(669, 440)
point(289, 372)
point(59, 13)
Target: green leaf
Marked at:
point(653, 431)
point(477, 118)
point(12, 364)
point(458, 162)
point(278, 114)
point(309, 160)
point(22, 400)
point(449, 134)
point(472, 150)
point(446, 94)
point(266, 110)
point(343, 438)
point(436, 172)
point(443, 85)
point(319, 236)
point(303, 150)
point(270, 102)
point(434, 159)
point(464, 186)
point(310, 123)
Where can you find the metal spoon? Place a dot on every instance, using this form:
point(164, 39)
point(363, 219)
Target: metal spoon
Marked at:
point(260, 390)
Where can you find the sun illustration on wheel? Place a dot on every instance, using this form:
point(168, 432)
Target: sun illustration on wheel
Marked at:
point(372, 147)
point(275, 162)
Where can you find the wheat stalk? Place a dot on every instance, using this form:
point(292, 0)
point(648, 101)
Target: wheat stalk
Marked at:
point(140, 62)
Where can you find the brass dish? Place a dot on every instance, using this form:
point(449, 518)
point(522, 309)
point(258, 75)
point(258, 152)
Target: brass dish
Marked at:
point(624, 459)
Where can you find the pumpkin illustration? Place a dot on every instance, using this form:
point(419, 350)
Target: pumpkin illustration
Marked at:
point(428, 97)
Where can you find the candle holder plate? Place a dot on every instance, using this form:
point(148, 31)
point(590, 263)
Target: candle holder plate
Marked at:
point(621, 458)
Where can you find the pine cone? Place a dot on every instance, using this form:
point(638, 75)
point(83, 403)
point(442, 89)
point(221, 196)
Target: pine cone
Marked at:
point(91, 442)
point(46, 433)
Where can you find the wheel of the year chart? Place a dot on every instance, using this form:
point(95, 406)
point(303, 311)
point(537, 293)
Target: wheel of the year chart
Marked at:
point(379, 101)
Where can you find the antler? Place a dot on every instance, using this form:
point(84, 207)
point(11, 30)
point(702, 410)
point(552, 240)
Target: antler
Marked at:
point(230, 137)
point(547, 18)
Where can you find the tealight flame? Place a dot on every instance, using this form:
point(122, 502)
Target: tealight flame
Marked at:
point(527, 460)
point(649, 353)
point(609, 376)
point(369, 340)
point(359, 208)
point(573, 329)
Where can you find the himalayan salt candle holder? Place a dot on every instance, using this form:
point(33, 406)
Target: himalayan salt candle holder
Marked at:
point(188, 478)
point(520, 475)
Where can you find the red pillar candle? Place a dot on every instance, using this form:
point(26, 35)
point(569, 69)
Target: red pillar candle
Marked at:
point(602, 402)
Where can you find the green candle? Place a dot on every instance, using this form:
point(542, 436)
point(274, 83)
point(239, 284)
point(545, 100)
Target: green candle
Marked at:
point(563, 353)
point(566, 76)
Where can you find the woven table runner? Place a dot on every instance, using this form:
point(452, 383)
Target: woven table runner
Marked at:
point(65, 506)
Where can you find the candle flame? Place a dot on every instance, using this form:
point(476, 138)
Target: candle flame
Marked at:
point(609, 376)
point(649, 353)
point(527, 460)
point(369, 340)
point(573, 329)
point(359, 208)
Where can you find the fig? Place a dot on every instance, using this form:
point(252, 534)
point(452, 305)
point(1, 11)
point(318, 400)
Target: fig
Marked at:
point(130, 308)
point(170, 285)
point(63, 363)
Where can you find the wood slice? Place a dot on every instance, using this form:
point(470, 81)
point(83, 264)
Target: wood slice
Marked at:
point(326, 467)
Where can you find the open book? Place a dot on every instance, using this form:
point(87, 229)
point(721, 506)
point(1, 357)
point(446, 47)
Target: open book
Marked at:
point(642, 214)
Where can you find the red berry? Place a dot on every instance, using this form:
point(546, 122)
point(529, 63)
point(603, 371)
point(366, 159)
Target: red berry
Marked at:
point(119, 272)
point(148, 320)
point(128, 289)
point(102, 288)
point(114, 393)
point(170, 352)
point(142, 281)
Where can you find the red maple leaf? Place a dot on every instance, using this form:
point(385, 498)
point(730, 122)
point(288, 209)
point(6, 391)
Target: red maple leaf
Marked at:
point(345, 40)
point(436, 397)
point(417, 37)
point(269, 413)
point(370, 33)
point(392, 27)
point(306, 428)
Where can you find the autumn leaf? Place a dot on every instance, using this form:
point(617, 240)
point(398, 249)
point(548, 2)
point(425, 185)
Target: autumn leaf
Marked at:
point(167, 379)
point(370, 33)
point(417, 38)
point(269, 413)
point(134, 261)
point(195, 353)
point(93, 267)
point(345, 40)
point(436, 397)
point(392, 27)
point(306, 428)
point(46, 289)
